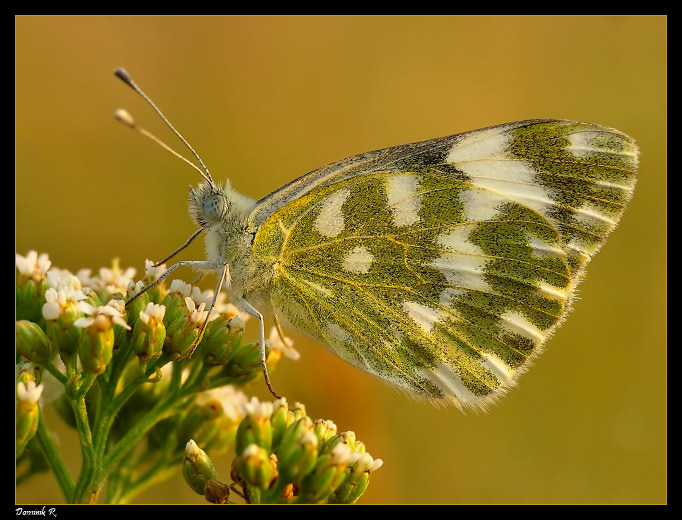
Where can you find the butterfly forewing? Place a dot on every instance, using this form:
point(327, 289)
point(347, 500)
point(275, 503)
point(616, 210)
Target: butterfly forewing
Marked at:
point(442, 266)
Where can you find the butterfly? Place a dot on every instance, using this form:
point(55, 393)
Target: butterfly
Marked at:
point(440, 266)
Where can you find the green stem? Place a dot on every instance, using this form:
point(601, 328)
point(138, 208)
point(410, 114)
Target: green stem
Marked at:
point(120, 361)
point(161, 410)
point(55, 372)
point(219, 380)
point(84, 385)
point(253, 495)
point(88, 481)
point(54, 459)
point(197, 379)
point(111, 405)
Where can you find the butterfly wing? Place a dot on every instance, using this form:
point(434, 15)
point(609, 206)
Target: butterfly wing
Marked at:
point(442, 266)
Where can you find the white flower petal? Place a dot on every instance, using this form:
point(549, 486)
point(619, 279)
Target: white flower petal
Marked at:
point(51, 311)
point(29, 392)
point(181, 287)
point(86, 308)
point(83, 322)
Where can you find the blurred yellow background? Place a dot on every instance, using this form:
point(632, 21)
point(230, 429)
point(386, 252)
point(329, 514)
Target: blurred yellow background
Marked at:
point(264, 99)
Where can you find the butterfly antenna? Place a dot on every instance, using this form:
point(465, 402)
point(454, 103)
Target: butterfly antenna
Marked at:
point(124, 117)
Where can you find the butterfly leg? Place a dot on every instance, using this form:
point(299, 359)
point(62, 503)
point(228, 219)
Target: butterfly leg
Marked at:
point(224, 275)
point(201, 266)
point(187, 243)
point(254, 312)
point(198, 265)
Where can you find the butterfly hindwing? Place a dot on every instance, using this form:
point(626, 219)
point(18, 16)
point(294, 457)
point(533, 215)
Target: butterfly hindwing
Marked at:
point(442, 266)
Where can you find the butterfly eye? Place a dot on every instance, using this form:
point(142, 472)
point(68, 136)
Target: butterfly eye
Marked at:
point(215, 207)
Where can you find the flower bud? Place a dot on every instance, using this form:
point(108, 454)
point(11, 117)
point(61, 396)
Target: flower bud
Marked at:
point(183, 333)
point(244, 362)
point(256, 427)
point(197, 468)
point(97, 345)
point(31, 342)
point(149, 332)
point(151, 274)
point(221, 339)
point(180, 337)
point(60, 312)
point(329, 473)
point(344, 438)
point(27, 371)
point(256, 467)
point(325, 430)
point(357, 480)
point(30, 285)
point(136, 304)
point(208, 424)
point(26, 414)
point(297, 451)
point(298, 411)
point(279, 420)
point(174, 301)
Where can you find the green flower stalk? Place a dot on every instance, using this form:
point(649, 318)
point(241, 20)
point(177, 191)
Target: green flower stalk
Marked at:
point(123, 367)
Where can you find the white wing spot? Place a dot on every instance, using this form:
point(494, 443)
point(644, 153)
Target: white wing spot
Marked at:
point(456, 240)
point(517, 323)
point(484, 157)
point(449, 382)
point(358, 260)
point(543, 249)
point(480, 204)
point(463, 271)
point(498, 367)
point(479, 146)
point(590, 215)
point(423, 315)
point(551, 292)
point(403, 199)
point(581, 144)
point(330, 220)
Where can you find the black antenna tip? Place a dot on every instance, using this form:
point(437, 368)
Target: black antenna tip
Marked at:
point(121, 74)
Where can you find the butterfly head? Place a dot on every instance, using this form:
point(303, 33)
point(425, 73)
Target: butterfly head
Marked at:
point(208, 204)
